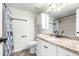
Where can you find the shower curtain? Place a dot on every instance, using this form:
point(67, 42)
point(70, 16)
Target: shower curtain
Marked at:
point(8, 33)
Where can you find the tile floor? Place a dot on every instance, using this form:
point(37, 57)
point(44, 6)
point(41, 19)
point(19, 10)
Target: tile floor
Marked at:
point(23, 53)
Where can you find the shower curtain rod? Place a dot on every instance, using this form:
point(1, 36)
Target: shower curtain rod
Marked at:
point(19, 19)
point(15, 18)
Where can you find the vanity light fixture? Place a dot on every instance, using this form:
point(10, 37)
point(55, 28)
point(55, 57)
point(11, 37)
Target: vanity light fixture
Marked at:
point(55, 7)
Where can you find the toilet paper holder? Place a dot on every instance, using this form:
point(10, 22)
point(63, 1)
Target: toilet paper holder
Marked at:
point(24, 36)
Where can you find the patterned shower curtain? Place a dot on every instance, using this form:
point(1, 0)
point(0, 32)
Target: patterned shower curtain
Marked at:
point(9, 33)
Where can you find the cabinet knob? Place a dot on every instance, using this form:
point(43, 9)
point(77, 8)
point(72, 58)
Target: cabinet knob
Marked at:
point(45, 46)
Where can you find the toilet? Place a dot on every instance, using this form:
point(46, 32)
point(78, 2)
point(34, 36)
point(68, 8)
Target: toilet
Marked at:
point(32, 46)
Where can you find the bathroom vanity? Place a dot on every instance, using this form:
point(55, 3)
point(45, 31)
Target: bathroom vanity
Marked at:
point(54, 46)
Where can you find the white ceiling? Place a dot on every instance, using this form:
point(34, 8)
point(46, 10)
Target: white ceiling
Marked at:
point(33, 7)
point(41, 7)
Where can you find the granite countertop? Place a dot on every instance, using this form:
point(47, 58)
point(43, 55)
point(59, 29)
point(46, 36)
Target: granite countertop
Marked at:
point(66, 43)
